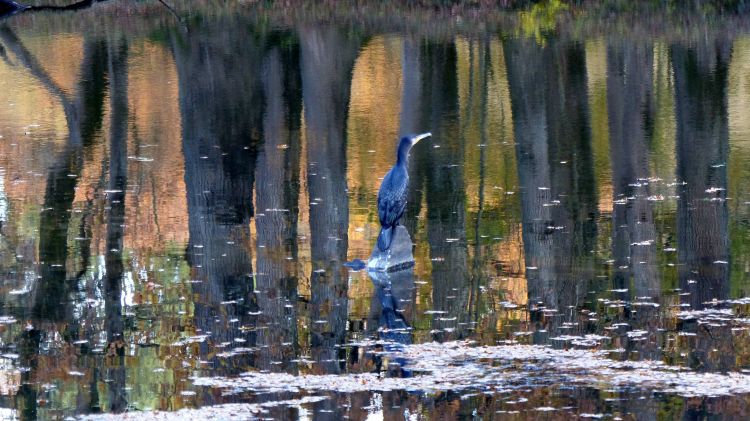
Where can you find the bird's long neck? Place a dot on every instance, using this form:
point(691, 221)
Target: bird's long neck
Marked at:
point(403, 154)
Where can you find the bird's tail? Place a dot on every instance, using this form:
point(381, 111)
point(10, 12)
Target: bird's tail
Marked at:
point(385, 238)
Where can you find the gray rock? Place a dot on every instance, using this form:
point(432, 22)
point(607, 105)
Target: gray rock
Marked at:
point(398, 257)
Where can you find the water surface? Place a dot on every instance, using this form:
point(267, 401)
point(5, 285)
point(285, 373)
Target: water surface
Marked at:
point(179, 199)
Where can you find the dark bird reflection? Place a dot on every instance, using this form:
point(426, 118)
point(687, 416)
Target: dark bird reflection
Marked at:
point(392, 298)
point(392, 301)
point(391, 306)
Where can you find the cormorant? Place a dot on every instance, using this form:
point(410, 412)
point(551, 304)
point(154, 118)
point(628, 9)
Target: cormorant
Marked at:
point(393, 191)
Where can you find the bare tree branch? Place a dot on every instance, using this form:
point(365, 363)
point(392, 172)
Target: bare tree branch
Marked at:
point(10, 7)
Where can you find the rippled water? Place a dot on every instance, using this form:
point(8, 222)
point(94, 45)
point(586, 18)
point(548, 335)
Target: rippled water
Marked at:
point(186, 205)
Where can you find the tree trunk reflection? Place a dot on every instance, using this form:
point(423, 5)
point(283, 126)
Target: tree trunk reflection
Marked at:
point(558, 198)
point(444, 188)
point(220, 103)
point(118, 180)
point(702, 146)
point(327, 60)
point(630, 111)
point(277, 192)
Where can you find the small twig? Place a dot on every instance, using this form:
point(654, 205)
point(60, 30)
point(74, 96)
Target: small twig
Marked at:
point(170, 8)
point(174, 13)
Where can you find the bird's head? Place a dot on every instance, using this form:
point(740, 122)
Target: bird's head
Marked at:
point(407, 142)
point(410, 140)
point(417, 137)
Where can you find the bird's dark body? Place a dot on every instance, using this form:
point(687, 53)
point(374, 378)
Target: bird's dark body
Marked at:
point(393, 193)
point(391, 203)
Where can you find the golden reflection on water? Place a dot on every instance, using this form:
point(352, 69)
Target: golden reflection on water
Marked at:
point(31, 122)
point(664, 161)
point(372, 127)
point(157, 206)
point(60, 55)
point(596, 72)
point(739, 122)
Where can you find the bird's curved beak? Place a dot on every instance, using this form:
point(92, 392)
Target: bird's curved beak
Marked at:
point(419, 137)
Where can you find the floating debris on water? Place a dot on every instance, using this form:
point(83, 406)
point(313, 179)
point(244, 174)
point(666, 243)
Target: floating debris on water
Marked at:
point(233, 411)
point(462, 366)
point(191, 340)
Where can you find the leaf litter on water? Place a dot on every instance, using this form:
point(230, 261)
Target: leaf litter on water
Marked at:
point(462, 366)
